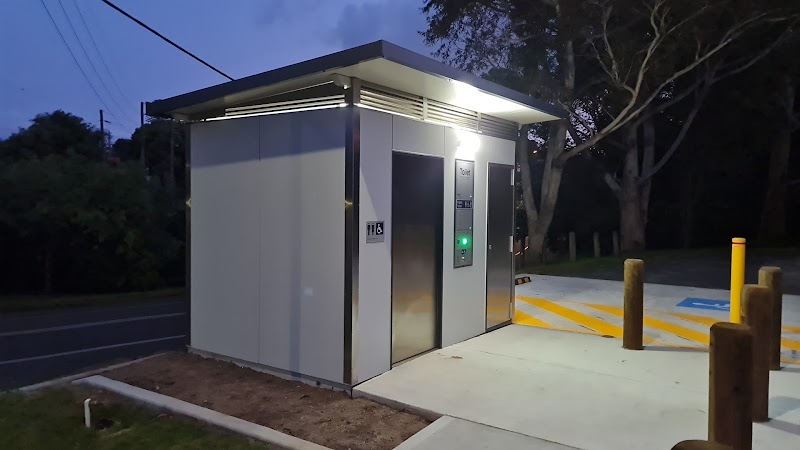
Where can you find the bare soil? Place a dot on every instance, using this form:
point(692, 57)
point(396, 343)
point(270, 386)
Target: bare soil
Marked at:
point(319, 415)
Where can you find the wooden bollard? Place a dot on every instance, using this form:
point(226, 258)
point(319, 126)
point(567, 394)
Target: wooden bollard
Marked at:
point(730, 386)
point(596, 239)
point(700, 445)
point(573, 252)
point(757, 314)
point(772, 277)
point(633, 305)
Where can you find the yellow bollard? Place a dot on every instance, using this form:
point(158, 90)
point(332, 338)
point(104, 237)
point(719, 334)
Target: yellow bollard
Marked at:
point(737, 278)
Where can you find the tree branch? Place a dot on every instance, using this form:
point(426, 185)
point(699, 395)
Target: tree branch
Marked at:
point(687, 123)
point(657, 20)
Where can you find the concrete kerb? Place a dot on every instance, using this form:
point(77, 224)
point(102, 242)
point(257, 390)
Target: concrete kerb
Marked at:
point(425, 433)
point(206, 415)
point(88, 373)
point(398, 405)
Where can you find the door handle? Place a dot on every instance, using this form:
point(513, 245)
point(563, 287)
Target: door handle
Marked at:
point(511, 244)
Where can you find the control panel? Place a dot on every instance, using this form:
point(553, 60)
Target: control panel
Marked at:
point(464, 202)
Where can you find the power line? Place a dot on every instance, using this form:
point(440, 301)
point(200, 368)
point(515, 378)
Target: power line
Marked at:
point(142, 24)
point(83, 72)
point(97, 49)
point(91, 64)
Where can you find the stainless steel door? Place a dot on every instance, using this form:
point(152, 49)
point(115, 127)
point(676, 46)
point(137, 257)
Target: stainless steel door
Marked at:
point(417, 210)
point(499, 255)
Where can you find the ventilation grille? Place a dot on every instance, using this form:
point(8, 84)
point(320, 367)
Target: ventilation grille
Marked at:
point(288, 106)
point(497, 127)
point(452, 115)
point(392, 101)
point(421, 108)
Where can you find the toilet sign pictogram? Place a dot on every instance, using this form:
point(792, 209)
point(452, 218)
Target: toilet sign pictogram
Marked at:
point(375, 232)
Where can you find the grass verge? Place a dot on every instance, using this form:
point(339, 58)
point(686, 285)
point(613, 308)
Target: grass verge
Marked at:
point(53, 419)
point(17, 303)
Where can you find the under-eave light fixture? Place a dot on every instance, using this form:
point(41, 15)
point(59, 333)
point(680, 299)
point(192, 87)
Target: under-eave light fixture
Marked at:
point(468, 144)
point(468, 96)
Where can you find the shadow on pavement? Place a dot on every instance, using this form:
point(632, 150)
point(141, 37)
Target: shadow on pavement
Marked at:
point(667, 348)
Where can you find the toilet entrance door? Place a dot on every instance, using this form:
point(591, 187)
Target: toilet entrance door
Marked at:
point(499, 246)
point(417, 211)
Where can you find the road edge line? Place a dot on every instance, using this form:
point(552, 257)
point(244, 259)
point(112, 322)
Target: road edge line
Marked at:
point(86, 374)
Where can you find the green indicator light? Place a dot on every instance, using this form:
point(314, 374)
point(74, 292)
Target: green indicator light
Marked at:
point(464, 241)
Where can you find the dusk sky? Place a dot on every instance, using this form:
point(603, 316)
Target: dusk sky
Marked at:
point(239, 37)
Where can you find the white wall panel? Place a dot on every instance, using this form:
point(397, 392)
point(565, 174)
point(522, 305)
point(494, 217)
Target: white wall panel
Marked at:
point(413, 136)
point(373, 339)
point(224, 246)
point(463, 289)
point(302, 242)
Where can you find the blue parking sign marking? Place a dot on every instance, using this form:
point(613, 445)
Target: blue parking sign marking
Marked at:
point(706, 303)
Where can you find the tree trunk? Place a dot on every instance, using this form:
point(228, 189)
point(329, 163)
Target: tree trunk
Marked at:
point(551, 183)
point(648, 159)
point(528, 201)
point(773, 214)
point(632, 224)
point(539, 224)
point(688, 193)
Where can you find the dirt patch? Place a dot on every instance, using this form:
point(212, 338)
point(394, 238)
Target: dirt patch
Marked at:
point(318, 415)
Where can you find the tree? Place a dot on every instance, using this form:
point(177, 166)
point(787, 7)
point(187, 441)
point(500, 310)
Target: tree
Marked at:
point(56, 133)
point(163, 141)
point(70, 221)
point(606, 62)
point(781, 77)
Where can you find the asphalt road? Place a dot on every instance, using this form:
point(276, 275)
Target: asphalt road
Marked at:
point(39, 346)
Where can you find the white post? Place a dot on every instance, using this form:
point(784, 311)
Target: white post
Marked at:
point(87, 413)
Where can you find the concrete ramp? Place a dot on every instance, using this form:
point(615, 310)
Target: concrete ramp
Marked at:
point(449, 433)
point(577, 390)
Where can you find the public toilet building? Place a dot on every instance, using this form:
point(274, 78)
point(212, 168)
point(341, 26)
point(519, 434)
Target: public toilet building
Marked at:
point(350, 212)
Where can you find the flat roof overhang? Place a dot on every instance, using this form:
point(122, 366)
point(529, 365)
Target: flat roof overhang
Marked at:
point(380, 63)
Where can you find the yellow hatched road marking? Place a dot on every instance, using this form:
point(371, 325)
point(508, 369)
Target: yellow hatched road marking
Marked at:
point(787, 343)
point(651, 322)
point(527, 319)
point(705, 320)
point(587, 321)
point(790, 344)
point(702, 320)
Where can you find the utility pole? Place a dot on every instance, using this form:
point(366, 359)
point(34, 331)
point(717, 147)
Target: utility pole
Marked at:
point(171, 175)
point(141, 132)
point(102, 131)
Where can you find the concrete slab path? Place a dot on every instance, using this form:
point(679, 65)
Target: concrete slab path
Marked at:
point(449, 433)
point(577, 390)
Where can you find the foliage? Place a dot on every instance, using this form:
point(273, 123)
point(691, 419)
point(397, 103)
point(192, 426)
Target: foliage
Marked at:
point(57, 133)
point(613, 65)
point(73, 221)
